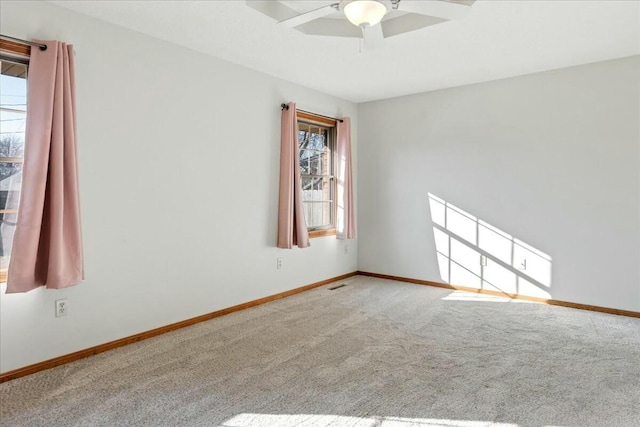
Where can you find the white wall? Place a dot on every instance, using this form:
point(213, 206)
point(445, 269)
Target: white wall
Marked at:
point(550, 158)
point(179, 166)
point(179, 156)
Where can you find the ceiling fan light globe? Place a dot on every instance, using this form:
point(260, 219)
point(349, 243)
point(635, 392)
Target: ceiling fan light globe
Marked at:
point(364, 13)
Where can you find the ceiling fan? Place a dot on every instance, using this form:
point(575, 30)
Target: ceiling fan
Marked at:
point(372, 20)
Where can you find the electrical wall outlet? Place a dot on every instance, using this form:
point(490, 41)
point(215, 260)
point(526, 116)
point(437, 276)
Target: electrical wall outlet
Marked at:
point(523, 264)
point(279, 263)
point(346, 248)
point(62, 307)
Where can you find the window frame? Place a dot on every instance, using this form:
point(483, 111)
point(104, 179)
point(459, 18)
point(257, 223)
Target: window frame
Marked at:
point(20, 54)
point(313, 119)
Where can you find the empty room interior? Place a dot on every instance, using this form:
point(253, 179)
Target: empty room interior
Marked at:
point(351, 213)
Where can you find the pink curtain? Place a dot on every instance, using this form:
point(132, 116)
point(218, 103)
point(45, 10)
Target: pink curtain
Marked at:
point(47, 244)
point(292, 229)
point(346, 226)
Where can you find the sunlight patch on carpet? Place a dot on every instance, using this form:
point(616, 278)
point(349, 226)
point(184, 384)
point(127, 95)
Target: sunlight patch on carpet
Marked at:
point(470, 296)
point(315, 420)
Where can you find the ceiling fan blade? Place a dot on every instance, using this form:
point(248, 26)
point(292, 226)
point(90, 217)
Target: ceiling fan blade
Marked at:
point(437, 8)
point(308, 16)
point(373, 37)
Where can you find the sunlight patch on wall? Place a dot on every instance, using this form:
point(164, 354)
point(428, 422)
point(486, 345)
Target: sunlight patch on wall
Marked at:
point(473, 253)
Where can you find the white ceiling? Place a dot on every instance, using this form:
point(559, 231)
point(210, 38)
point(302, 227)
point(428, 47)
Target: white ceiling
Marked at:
point(497, 39)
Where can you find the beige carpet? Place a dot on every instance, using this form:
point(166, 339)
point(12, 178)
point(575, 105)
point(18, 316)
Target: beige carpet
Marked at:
point(373, 353)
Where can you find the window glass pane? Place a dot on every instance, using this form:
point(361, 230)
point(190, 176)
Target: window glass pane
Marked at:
point(317, 214)
point(313, 162)
point(317, 189)
point(13, 113)
point(10, 185)
point(316, 170)
point(302, 135)
point(306, 182)
point(325, 161)
point(304, 164)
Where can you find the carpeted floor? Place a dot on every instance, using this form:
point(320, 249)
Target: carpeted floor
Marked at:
point(373, 353)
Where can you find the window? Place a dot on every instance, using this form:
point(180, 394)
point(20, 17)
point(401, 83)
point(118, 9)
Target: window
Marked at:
point(316, 143)
point(13, 113)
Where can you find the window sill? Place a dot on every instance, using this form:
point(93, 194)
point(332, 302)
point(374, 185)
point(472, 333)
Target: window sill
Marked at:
point(322, 233)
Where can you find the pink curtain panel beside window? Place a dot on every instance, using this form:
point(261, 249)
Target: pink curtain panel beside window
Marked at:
point(47, 246)
point(292, 229)
point(346, 227)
